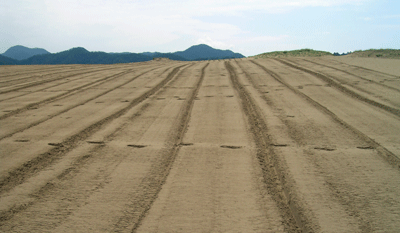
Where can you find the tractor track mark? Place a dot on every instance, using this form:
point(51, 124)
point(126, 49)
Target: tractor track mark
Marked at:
point(68, 81)
point(272, 170)
point(47, 81)
point(63, 95)
point(382, 151)
point(26, 170)
point(36, 105)
point(155, 183)
point(38, 70)
point(354, 75)
point(370, 70)
point(68, 173)
point(343, 89)
point(62, 69)
point(35, 75)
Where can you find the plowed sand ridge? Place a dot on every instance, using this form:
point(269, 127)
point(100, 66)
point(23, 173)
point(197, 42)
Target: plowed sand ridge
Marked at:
point(247, 145)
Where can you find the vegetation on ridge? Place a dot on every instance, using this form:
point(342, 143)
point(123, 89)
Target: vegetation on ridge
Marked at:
point(372, 53)
point(294, 53)
point(80, 55)
point(20, 52)
point(381, 53)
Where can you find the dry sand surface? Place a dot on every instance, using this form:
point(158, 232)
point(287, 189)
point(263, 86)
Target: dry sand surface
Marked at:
point(246, 145)
point(389, 66)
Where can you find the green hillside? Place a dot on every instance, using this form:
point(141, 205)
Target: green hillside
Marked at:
point(294, 53)
point(381, 53)
point(20, 52)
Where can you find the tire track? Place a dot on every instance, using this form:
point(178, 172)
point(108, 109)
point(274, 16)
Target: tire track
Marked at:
point(82, 160)
point(38, 70)
point(94, 71)
point(63, 95)
point(43, 89)
point(35, 75)
point(318, 135)
point(272, 170)
point(161, 170)
point(32, 84)
point(26, 170)
point(341, 88)
point(382, 151)
point(52, 99)
point(370, 70)
point(90, 71)
point(59, 69)
point(351, 74)
point(36, 105)
point(42, 75)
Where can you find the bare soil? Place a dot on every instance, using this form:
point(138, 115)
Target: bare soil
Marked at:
point(302, 144)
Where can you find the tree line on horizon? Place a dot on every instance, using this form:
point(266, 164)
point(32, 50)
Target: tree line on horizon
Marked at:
point(80, 55)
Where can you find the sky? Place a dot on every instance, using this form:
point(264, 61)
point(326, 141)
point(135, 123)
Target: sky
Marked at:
point(249, 27)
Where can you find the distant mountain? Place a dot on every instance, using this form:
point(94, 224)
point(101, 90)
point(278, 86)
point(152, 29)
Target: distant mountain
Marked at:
point(7, 61)
point(205, 52)
point(80, 55)
point(149, 53)
point(20, 52)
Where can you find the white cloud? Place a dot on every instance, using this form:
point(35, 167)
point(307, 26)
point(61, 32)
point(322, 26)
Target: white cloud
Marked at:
point(265, 39)
point(118, 10)
point(236, 7)
point(258, 44)
point(139, 23)
point(391, 17)
point(213, 43)
point(125, 25)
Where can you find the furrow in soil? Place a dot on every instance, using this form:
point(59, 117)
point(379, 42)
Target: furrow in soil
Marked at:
point(215, 183)
point(332, 176)
point(133, 152)
point(42, 81)
point(57, 86)
point(45, 68)
point(244, 145)
point(369, 133)
point(19, 109)
point(15, 173)
point(359, 76)
point(343, 89)
point(273, 173)
point(91, 92)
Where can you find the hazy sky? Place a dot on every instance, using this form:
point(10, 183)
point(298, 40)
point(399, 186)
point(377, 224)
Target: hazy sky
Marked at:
point(249, 27)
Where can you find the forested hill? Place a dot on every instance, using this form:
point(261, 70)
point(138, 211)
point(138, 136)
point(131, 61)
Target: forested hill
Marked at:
point(80, 55)
point(20, 52)
point(205, 52)
point(7, 61)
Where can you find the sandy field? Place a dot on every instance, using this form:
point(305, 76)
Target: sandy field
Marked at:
point(246, 145)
